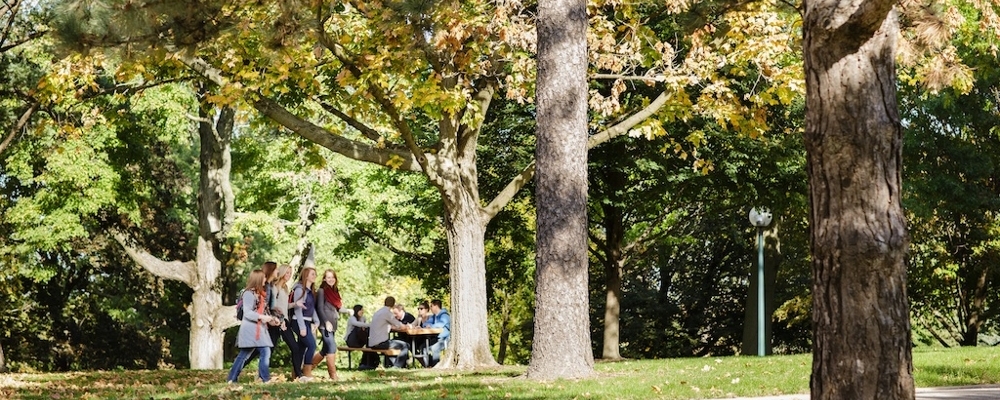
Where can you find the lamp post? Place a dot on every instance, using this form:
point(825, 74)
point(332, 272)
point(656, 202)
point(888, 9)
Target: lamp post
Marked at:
point(760, 218)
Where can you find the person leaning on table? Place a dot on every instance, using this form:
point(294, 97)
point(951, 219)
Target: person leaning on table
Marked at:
point(357, 328)
point(438, 318)
point(382, 322)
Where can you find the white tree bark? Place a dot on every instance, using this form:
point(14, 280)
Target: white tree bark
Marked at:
point(209, 317)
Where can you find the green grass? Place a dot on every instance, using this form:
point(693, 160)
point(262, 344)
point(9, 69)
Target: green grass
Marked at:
point(688, 378)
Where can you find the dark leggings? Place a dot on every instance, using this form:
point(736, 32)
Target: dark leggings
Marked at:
point(289, 338)
point(307, 343)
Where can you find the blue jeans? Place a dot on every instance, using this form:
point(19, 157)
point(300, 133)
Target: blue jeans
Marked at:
point(307, 343)
point(262, 364)
point(398, 361)
point(329, 341)
point(435, 350)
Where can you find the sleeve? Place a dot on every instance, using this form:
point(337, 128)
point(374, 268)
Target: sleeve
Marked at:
point(440, 321)
point(353, 321)
point(320, 305)
point(393, 321)
point(298, 293)
point(250, 306)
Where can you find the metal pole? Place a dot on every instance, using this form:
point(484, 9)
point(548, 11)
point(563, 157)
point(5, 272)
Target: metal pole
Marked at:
point(760, 291)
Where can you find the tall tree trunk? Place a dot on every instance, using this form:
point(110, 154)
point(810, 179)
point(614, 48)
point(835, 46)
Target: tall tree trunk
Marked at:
point(215, 206)
point(504, 332)
point(613, 260)
point(209, 317)
point(853, 136)
point(469, 346)
point(975, 301)
point(561, 343)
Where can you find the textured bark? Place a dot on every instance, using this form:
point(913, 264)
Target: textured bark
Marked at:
point(853, 136)
point(613, 262)
point(561, 343)
point(469, 346)
point(975, 303)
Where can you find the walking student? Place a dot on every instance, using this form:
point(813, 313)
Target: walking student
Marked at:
point(253, 334)
point(302, 304)
point(328, 307)
point(280, 291)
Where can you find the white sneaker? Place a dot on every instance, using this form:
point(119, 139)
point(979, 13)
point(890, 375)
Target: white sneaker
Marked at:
point(304, 379)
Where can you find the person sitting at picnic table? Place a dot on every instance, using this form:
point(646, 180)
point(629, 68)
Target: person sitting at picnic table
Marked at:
point(382, 322)
point(406, 318)
point(400, 313)
point(357, 328)
point(423, 312)
point(438, 318)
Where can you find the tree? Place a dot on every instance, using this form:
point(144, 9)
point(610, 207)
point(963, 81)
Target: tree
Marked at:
point(405, 85)
point(853, 139)
point(561, 345)
point(19, 25)
point(209, 317)
point(950, 193)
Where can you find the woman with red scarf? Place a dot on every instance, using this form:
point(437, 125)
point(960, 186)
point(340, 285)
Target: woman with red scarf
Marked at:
point(253, 335)
point(328, 307)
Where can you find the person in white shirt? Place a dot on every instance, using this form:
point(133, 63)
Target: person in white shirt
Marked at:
point(378, 337)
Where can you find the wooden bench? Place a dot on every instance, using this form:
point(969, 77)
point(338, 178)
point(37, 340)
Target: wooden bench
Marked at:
point(383, 352)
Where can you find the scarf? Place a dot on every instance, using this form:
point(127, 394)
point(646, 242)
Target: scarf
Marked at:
point(332, 295)
point(260, 310)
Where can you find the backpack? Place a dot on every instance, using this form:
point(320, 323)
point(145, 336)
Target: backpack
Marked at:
point(239, 307)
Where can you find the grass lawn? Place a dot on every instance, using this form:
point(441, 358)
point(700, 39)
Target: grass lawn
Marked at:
point(687, 378)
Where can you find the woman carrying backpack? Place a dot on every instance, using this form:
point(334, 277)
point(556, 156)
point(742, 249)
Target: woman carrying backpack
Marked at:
point(302, 304)
point(280, 292)
point(253, 329)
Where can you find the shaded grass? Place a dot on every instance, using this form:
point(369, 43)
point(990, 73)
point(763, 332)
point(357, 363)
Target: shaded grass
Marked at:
point(688, 378)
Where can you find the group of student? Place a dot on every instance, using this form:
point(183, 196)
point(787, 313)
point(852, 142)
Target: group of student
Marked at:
point(270, 311)
point(393, 317)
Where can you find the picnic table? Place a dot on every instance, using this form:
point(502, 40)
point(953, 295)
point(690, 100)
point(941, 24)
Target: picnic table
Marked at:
point(425, 334)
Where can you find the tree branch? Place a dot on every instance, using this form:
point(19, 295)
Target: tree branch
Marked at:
point(470, 133)
point(21, 122)
point(398, 159)
point(426, 259)
point(365, 130)
point(173, 270)
point(630, 122)
point(404, 129)
point(394, 158)
point(515, 185)
point(508, 192)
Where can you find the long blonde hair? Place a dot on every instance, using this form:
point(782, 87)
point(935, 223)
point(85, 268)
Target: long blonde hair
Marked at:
point(281, 282)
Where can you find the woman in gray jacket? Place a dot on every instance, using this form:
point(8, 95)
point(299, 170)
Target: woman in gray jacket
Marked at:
point(328, 307)
point(253, 333)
